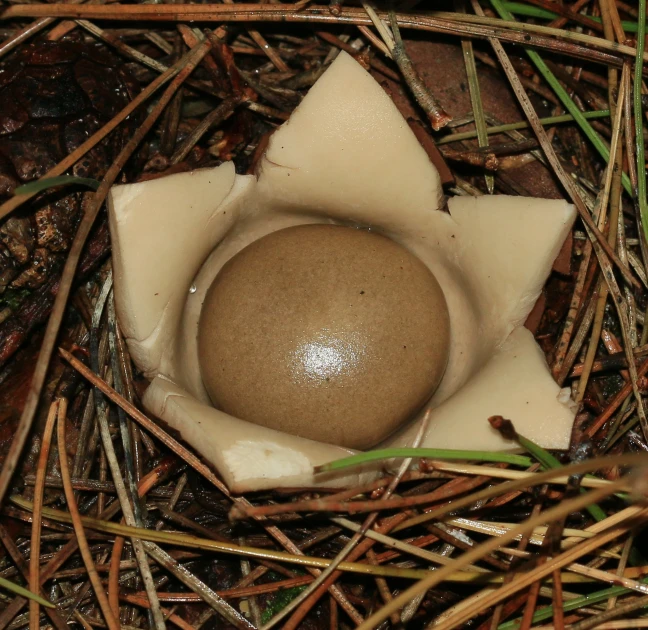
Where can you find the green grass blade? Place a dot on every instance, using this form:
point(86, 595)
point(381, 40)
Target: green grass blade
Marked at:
point(427, 453)
point(23, 592)
point(564, 97)
point(542, 455)
point(550, 120)
point(52, 182)
point(549, 461)
point(519, 8)
point(573, 604)
point(279, 601)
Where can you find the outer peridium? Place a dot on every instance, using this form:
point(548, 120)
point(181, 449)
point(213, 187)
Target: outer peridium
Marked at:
point(345, 156)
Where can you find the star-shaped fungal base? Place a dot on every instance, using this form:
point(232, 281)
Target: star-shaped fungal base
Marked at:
point(345, 156)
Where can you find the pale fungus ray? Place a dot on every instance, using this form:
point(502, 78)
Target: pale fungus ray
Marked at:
point(232, 309)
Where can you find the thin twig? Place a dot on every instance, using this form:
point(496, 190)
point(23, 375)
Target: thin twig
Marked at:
point(438, 117)
point(102, 598)
point(39, 488)
point(24, 34)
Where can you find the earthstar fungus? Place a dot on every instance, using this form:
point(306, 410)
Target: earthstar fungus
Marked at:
point(328, 332)
point(345, 157)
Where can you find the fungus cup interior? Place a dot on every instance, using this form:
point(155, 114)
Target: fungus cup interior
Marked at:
point(346, 156)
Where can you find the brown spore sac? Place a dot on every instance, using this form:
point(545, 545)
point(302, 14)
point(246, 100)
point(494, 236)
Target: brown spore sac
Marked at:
point(326, 332)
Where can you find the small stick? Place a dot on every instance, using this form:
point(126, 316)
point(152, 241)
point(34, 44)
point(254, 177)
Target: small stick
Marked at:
point(375, 41)
point(439, 118)
point(351, 507)
point(102, 598)
point(376, 64)
point(24, 34)
point(216, 116)
point(585, 274)
point(113, 574)
point(613, 362)
point(39, 488)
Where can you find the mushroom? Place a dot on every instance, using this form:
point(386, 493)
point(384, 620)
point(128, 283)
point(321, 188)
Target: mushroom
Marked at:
point(326, 332)
point(346, 157)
